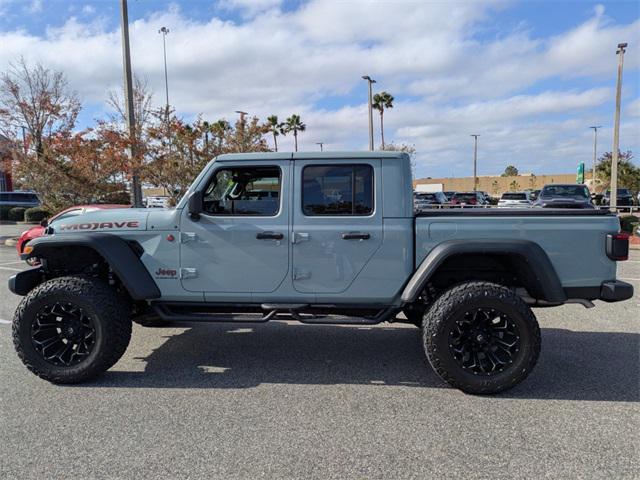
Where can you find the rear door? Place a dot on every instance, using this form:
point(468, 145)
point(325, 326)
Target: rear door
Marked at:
point(240, 244)
point(337, 222)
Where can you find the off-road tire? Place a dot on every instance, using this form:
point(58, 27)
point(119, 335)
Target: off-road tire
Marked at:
point(109, 314)
point(441, 318)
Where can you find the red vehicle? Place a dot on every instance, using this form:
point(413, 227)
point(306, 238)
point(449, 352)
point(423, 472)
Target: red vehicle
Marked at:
point(38, 230)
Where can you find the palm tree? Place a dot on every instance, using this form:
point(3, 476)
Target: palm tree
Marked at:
point(220, 129)
point(381, 101)
point(275, 128)
point(295, 125)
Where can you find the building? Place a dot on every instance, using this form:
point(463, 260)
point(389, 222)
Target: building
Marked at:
point(497, 185)
point(6, 183)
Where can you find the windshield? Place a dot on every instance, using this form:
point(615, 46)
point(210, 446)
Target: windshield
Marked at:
point(514, 196)
point(426, 196)
point(578, 192)
point(465, 196)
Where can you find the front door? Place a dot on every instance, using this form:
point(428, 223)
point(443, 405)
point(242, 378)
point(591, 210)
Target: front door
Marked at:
point(337, 222)
point(240, 244)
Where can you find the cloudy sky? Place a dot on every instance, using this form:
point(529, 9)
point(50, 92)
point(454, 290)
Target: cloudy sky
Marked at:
point(529, 77)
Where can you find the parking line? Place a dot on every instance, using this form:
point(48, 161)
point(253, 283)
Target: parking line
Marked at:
point(5, 322)
point(12, 263)
point(629, 278)
point(12, 269)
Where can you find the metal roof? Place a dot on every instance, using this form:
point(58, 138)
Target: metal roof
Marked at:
point(256, 156)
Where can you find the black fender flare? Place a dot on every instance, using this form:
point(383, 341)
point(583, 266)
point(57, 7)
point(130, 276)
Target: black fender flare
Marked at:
point(534, 258)
point(116, 252)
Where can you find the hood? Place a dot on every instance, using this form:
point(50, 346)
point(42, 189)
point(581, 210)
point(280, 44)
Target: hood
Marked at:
point(108, 220)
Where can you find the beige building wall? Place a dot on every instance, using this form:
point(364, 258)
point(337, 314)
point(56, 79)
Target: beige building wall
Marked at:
point(496, 185)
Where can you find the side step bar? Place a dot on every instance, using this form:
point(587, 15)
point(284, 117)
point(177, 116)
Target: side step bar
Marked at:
point(304, 313)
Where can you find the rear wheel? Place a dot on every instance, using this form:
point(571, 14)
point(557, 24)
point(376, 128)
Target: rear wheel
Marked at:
point(481, 338)
point(70, 329)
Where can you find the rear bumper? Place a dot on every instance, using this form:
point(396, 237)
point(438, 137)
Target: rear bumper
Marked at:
point(615, 291)
point(611, 291)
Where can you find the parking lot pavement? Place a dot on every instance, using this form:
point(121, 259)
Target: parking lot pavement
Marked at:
point(288, 400)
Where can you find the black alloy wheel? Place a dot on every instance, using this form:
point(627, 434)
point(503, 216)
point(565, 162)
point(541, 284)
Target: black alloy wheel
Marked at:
point(63, 334)
point(484, 341)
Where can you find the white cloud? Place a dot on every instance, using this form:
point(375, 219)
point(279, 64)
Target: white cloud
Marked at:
point(35, 6)
point(448, 80)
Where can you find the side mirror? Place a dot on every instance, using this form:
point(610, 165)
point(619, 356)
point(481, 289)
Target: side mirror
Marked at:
point(195, 205)
point(44, 222)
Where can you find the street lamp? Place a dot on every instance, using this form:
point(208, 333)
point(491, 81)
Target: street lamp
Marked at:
point(475, 161)
point(136, 187)
point(613, 196)
point(595, 153)
point(242, 115)
point(164, 31)
point(321, 144)
point(371, 81)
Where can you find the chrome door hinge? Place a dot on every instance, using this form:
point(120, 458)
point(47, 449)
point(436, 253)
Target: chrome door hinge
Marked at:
point(301, 274)
point(299, 237)
point(188, 273)
point(186, 237)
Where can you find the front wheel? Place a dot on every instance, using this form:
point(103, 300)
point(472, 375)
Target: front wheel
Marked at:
point(70, 329)
point(481, 338)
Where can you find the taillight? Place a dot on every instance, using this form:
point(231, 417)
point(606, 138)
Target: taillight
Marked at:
point(618, 246)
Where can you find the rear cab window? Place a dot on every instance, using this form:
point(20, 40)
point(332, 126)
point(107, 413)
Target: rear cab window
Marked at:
point(342, 190)
point(514, 196)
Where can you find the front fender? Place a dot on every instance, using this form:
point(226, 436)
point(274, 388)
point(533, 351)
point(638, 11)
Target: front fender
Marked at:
point(114, 250)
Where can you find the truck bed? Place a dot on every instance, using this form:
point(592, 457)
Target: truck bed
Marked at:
point(574, 240)
point(515, 212)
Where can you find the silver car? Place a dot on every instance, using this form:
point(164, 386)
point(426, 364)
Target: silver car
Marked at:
point(515, 200)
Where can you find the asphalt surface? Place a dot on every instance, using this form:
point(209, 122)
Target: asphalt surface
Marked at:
point(284, 400)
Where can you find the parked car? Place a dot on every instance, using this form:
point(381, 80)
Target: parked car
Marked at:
point(515, 200)
point(624, 198)
point(39, 230)
point(564, 196)
point(471, 199)
point(425, 200)
point(19, 199)
point(449, 194)
point(333, 246)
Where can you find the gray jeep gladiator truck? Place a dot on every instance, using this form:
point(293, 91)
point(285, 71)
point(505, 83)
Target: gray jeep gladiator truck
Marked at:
point(318, 238)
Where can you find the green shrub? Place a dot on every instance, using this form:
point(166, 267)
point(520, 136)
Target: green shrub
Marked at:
point(36, 214)
point(16, 214)
point(629, 222)
point(4, 211)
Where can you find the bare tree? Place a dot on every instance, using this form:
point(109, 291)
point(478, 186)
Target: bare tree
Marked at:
point(142, 97)
point(37, 99)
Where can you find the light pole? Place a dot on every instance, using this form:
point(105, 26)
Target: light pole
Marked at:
point(475, 161)
point(371, 81)
point(136, 189)
point(613, 196)
point(595, 153)
point(321, 144)
point(164, 31)
point(242, 115)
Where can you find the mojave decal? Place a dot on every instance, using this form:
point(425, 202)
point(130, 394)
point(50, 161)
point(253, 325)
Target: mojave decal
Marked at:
point(100, 225)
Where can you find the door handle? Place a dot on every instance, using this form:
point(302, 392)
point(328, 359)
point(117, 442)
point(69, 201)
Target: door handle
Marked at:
point(355, 236)
point(269, 236)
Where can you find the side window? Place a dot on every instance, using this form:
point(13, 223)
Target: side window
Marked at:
point(337, 190)
point(238, 191)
